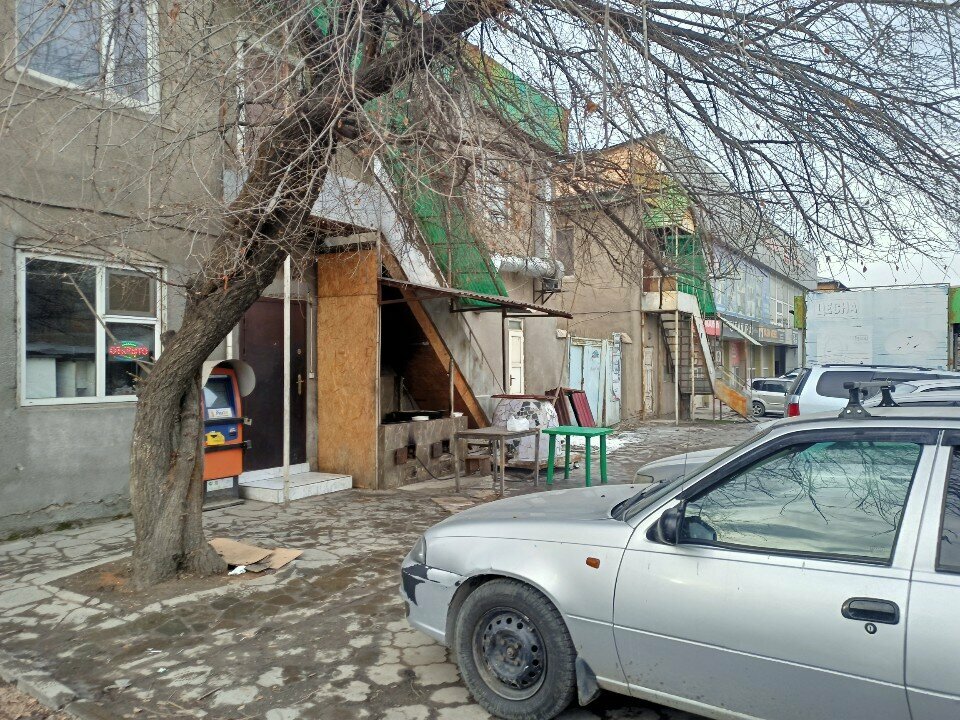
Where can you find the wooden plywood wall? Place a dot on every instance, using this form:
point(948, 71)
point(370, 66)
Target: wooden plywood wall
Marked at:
point(348, 365)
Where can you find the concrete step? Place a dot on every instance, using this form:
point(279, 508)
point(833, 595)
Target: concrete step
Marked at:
point(302, 485)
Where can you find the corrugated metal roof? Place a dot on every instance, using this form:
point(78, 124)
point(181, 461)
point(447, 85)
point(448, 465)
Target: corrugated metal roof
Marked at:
point(427, 292)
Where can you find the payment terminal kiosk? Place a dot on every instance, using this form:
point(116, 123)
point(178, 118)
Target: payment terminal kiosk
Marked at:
point(226, 383)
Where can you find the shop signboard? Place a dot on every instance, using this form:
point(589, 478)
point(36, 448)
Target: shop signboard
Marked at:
point(882, 326)
point(760, 332)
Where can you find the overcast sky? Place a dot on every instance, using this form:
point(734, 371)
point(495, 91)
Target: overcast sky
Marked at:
point(914, 269)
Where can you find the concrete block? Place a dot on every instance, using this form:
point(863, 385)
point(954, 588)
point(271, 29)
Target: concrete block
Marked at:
point(46, 690)
point(302, 485)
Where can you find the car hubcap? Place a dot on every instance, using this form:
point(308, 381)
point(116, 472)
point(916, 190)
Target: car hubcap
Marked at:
point(758, 409)
point(510, 654)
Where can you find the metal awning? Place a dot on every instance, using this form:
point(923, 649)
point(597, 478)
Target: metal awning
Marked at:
point(730, 324)
point(510, 308)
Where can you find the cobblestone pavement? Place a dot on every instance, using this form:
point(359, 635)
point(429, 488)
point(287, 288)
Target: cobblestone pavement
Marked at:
point(324, 637)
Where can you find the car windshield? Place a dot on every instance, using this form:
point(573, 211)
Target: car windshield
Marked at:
point(649, 495)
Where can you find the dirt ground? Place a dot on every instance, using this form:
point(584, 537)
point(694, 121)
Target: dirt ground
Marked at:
point(14, 705)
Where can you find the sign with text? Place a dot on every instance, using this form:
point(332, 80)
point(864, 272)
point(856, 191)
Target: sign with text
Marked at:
point(879, 326)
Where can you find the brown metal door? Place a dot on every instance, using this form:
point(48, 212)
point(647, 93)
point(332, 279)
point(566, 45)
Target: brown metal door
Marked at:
point(261, 345)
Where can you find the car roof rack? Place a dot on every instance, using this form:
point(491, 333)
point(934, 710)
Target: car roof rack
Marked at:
point(855, 409)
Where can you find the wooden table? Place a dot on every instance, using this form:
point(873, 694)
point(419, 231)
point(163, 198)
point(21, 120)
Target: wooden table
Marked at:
point(586, 433)
point(494, 435)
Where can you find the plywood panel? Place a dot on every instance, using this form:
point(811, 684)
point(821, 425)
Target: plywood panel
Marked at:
point(347, 366)
point(348, 274)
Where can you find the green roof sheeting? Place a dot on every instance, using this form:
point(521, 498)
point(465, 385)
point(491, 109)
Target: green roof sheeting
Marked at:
point(515, 100)
point(441, 219)
point(444, 227)
point(666, 209)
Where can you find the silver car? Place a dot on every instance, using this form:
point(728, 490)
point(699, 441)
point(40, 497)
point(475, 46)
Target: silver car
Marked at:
point(768, 395)
point(918, 391)
point(810, 573)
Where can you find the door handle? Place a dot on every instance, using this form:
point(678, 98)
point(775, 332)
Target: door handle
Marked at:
point(299, 384)
point(871, 610)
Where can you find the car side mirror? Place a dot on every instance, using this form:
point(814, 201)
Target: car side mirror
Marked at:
point(668, 526)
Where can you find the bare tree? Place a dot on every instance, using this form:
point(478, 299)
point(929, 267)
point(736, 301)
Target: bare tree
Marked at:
point(837, 120)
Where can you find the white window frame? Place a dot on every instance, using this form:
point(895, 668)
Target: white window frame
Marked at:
point(556, 250)
point(494, 192)
point(100, 305)
point(246, 43)
point(109, 62)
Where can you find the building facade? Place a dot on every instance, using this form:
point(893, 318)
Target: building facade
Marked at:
point(755, 297)
point(706, 320)
point(103, 221)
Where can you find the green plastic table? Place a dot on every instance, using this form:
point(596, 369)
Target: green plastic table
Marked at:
point(586, 433)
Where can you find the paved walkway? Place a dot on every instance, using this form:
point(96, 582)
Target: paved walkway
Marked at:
point(323, 638)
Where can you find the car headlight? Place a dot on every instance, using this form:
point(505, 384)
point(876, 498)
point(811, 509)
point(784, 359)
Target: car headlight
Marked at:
point(419, 552)
point(642, 479)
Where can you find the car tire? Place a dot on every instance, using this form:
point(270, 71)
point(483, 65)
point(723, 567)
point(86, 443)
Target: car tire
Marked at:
point(514, 652)
point(758, 409)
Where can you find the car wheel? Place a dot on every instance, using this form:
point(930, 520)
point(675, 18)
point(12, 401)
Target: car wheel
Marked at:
point(514, 652)
point(758, 409)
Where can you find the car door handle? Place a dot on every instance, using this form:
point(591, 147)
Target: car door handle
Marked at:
point(871, 610)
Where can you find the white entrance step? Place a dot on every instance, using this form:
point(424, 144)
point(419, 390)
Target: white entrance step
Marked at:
point(302, 485)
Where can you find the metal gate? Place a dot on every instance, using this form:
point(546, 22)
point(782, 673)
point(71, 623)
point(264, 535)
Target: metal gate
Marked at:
point(595, 368)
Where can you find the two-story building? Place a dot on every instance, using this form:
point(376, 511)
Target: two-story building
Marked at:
point(124, 135)
point(755, 297)
point(681, 300)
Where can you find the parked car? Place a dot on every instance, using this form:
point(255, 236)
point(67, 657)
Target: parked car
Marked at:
point(946, 398)
point(771, 584)
point(790, 374)
point(902, 389)
point(768, 396)
point(670, 468)
point(820, 388)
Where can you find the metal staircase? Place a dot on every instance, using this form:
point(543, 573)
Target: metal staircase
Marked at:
point(684, 336)
point(691, 364)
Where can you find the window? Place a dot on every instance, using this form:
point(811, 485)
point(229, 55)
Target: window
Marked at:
point(264, 96)
point(907, 388)
point(565, 247)
point(493, 193)
point(831, 382)
point(90, 44)
point(948, 556)
point(86, 330)
point(827, 498)
point(774, 387)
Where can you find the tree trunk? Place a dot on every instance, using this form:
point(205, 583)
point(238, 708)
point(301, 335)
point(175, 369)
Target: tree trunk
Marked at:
point(270, 218)
point(166, 463)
